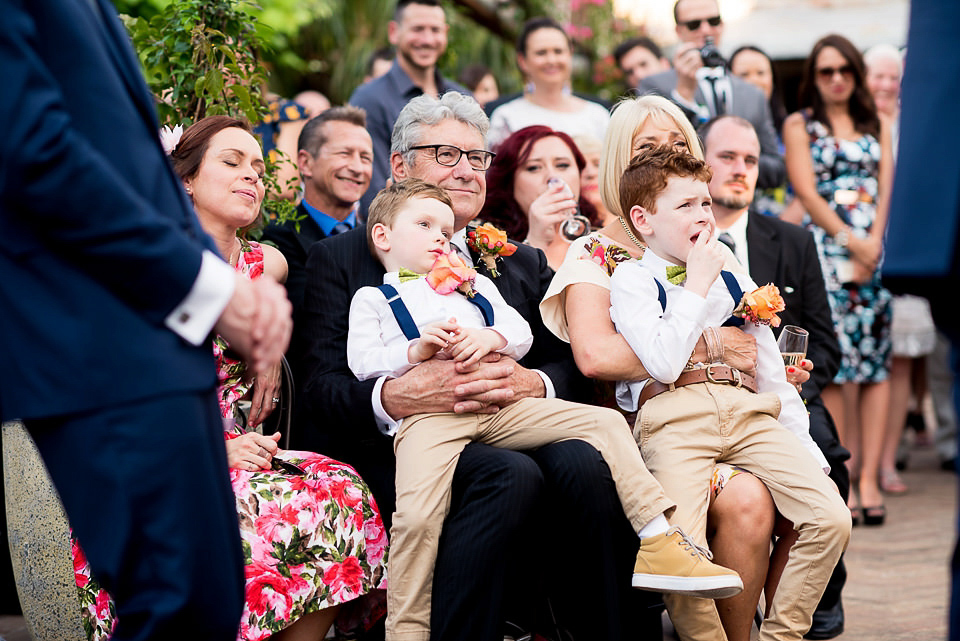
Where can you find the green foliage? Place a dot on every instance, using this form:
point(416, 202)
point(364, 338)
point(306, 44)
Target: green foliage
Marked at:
point(201, 58)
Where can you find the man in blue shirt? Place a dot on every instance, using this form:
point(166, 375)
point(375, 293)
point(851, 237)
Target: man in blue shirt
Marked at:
point(418, 32)
point(335, 159)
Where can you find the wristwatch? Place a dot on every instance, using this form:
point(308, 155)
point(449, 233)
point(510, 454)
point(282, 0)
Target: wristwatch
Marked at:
point(842, 237)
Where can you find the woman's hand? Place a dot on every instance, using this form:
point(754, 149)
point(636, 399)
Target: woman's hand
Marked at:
point(252, 451)
point(797, 376)
point(739, 350)
point(546, 212)
point(265, 388)
point(866, 251)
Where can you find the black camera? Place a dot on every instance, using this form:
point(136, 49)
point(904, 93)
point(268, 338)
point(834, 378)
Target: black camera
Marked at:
point(711, 55)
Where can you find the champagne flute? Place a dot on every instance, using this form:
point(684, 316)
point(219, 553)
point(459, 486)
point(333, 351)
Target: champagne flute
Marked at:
point(793, 344)
point(575, 225)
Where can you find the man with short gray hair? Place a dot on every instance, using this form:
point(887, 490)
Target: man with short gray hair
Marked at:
point(494, 490)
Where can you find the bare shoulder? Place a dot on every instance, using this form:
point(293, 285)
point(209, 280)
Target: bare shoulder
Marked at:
point(274, 264)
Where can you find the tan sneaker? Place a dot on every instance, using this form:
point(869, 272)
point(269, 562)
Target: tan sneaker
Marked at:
point(672, 562)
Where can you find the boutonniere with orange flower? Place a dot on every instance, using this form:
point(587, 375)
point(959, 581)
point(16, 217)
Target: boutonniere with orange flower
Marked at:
point(491, 243)
point(761, 306)
point(449, 273)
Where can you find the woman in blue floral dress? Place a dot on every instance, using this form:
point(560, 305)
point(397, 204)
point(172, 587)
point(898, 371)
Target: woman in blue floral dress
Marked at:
point(312, 536)
point(840, 163)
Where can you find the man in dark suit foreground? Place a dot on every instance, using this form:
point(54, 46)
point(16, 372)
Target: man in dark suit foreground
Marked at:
point(777, 252)
point(109, 290)
point(489, 529)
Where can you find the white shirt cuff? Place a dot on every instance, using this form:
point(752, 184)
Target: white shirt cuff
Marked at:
point(196, 315)
point(548, 390)
point(385, 422)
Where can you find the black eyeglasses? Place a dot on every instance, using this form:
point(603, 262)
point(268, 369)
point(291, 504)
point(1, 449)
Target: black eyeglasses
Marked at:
point(828, 72)
point(449, 156)
point(693, 25)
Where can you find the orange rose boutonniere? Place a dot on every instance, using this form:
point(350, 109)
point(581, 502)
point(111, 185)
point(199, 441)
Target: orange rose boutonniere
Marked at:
point(449, 273)
point(490, 243)
point(761, 306)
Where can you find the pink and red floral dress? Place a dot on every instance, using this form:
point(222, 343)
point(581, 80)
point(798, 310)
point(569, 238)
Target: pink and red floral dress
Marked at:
point(310, 541)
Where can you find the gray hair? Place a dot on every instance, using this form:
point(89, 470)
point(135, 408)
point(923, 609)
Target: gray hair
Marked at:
point(427, 111)
point(879, 52)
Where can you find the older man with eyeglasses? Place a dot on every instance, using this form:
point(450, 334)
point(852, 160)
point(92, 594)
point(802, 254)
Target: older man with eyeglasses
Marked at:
point(702, 88)
point(489, 532)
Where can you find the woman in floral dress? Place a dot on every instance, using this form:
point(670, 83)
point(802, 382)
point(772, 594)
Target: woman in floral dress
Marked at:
point(312, 536)
point(840, 163)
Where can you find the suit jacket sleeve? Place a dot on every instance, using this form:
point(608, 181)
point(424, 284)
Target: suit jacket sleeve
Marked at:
point(823, 350)
point(549, 354)
point(58, 191)
point(339, 404)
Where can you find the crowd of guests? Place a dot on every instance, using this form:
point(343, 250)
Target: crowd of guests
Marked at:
point(497, 391)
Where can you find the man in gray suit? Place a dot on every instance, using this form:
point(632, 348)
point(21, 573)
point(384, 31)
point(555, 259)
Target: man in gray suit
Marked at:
point(706, 92)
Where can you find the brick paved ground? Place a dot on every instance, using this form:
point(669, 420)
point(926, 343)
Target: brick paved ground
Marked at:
point(897, 587)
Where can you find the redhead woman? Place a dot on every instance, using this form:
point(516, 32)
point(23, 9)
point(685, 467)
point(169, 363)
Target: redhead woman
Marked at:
point(312, 536)
point(741, 515)
point(521, 198)
point(840, 162)
point(545, 58)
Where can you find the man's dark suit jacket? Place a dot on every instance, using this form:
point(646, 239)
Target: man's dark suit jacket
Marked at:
point(338, 405)
point(92, 215)
point(748, 103)
point(786, 255)
point(294, 245)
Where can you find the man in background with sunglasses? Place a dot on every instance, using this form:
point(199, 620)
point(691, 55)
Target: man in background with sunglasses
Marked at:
point(700, 84)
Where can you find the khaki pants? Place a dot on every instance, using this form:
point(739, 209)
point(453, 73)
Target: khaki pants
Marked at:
point(683, 433)
point(428, 447)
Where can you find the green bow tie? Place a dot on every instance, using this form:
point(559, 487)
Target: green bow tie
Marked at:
point(408, 274)
point(676, 275)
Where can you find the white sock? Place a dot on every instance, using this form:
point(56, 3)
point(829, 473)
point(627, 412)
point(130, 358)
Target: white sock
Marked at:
point(658, 525)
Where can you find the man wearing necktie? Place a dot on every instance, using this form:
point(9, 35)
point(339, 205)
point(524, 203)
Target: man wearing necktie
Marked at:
point(707, 92)
point(335, 159)
point(109, 292)
point(773, 251)
point(483, 546)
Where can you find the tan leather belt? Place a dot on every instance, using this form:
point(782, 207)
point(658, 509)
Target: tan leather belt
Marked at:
point(709, 374)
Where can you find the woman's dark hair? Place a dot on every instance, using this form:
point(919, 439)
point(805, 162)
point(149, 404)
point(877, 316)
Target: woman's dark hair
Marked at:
point(862, 109)
point(189, 152)
point(535, 24)
point(472, 74)
point(501, 207)
point(777, 107)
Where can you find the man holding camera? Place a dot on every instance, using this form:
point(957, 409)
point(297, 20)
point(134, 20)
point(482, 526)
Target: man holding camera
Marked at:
point(700, 84)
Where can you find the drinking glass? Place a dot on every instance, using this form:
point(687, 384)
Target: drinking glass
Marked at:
point(575, 225)
point(793, 344)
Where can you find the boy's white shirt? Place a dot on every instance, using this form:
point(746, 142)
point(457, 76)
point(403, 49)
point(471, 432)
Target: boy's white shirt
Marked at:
point(377, 348)
point(664, 340)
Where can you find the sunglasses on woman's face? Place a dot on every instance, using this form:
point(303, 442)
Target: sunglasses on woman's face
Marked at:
point(829, 72)
point(693, 25)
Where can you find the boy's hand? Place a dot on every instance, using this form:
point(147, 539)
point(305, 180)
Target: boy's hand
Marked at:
point(472, 344)
point(704, 263)
point(433, 338)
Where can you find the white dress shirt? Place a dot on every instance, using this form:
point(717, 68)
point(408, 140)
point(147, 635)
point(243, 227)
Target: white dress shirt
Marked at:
point(195, 316)
point(376, 346)
point(664, 340)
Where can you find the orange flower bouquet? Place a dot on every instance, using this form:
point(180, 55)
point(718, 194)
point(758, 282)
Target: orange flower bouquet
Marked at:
point(490, 243)
point(761, 306)
point(449, 273)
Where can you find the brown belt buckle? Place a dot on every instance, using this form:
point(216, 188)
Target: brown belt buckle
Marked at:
point(735, 379)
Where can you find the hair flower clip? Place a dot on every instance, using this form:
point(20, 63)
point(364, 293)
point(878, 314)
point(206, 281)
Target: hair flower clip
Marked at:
point(491, 243)
point(449, 273)
point(169, 138)
point(761, 306)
